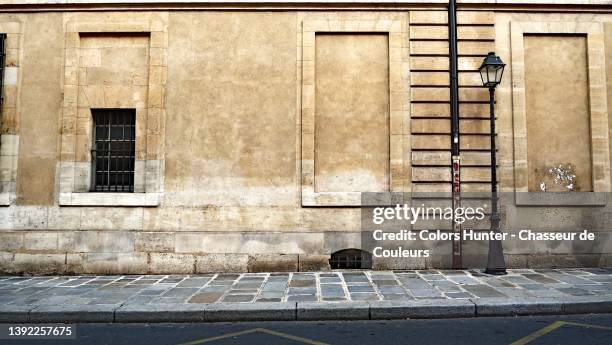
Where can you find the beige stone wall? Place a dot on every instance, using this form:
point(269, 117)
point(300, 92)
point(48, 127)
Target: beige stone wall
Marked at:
point(231, 102)
point(514, 138)
point(113, 63)
point(608, 55)
point(112, 72)
point(351, 113)
point(226, 137)
point(41, 56)
point(395, 27)
point(9, 138)
point(557, 107)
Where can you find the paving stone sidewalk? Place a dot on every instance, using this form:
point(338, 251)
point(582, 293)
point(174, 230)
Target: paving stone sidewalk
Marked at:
point(26, 297)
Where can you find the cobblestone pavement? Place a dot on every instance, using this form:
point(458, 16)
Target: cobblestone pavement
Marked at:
point(302, 287)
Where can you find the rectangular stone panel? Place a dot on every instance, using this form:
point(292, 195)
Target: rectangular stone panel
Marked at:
point(608, 52)
point(557, 105)
point(428, 63)
point(430, 126)
point(475, 47)
point(475, 17)
point(429, 78)
point(428, 17)
point(428, 47)
point(475, 142)
point(430, 142)
point(431, 158)
point(476, 32)
point(430, 109)
point(429, 32)
point(227, 85)
point(351, 113)
point(114, 60)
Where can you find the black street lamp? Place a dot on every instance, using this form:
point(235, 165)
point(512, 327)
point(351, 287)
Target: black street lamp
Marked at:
point(491, 72)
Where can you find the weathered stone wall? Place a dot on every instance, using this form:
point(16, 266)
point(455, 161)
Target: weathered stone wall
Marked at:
point(552, 112)
point(41, 57)
point(513, 138)
point(224, 143)
point(351, 113)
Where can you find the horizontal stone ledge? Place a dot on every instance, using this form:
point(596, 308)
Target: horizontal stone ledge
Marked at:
point(534, 2)
point(301, 2)
point(517, 306)
point(74, 313)
point(587, 304)
point(160, 313)
point(421, 309)
point(187, 2)
point(260, 311)
point(94, 199)
point(316, 311)
point(305, 311)
point(14, 313)
point(560, 199)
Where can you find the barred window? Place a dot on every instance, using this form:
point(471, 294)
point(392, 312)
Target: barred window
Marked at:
point(113, 150)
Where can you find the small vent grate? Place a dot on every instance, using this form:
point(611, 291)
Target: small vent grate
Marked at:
point(351, 259)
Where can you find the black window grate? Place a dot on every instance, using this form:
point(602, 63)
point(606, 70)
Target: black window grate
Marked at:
point(113, 150)
point(351, 259)
point(2, 65)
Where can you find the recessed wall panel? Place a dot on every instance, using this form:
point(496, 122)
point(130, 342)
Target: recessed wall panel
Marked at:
point(557, 106)
point(351, 113)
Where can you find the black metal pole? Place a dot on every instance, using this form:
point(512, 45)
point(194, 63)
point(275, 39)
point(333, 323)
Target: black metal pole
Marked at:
point(2, 66)
point(454, 112)
point(454, 79)
point(495, 263)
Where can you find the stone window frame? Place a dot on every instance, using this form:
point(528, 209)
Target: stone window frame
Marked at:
point(9, 134)
point(600, 158)
point(395, 26)
point(74, 177)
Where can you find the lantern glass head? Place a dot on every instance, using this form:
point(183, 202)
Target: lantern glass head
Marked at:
point(491, 70)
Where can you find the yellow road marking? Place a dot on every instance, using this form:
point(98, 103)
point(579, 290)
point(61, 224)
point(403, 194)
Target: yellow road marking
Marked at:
point(531, 337)
point(539, 333)
point(586, 325)
point(229, 335)
point(291, 337)
point(255, 330)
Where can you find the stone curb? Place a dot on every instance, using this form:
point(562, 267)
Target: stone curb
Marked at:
point(73, 313)
point(15, 313)
point(159, 313)
point(587, 305)
point(263, 311)
point(305, 311)
point(517, 306)
point(314, 311)
point(421, 309)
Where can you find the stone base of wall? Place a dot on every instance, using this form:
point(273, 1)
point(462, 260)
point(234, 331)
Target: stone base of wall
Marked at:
point(171, 263)
point(157, 263)
point(182, 252)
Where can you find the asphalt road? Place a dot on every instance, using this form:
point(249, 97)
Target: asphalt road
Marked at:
point(540, 330)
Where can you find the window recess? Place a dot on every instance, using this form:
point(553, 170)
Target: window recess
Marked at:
point(112, 154)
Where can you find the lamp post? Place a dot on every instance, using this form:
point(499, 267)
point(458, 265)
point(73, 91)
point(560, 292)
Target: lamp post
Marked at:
point(491, 72)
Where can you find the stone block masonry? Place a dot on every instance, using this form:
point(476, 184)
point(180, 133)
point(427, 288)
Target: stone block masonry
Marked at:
point(259, 126)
